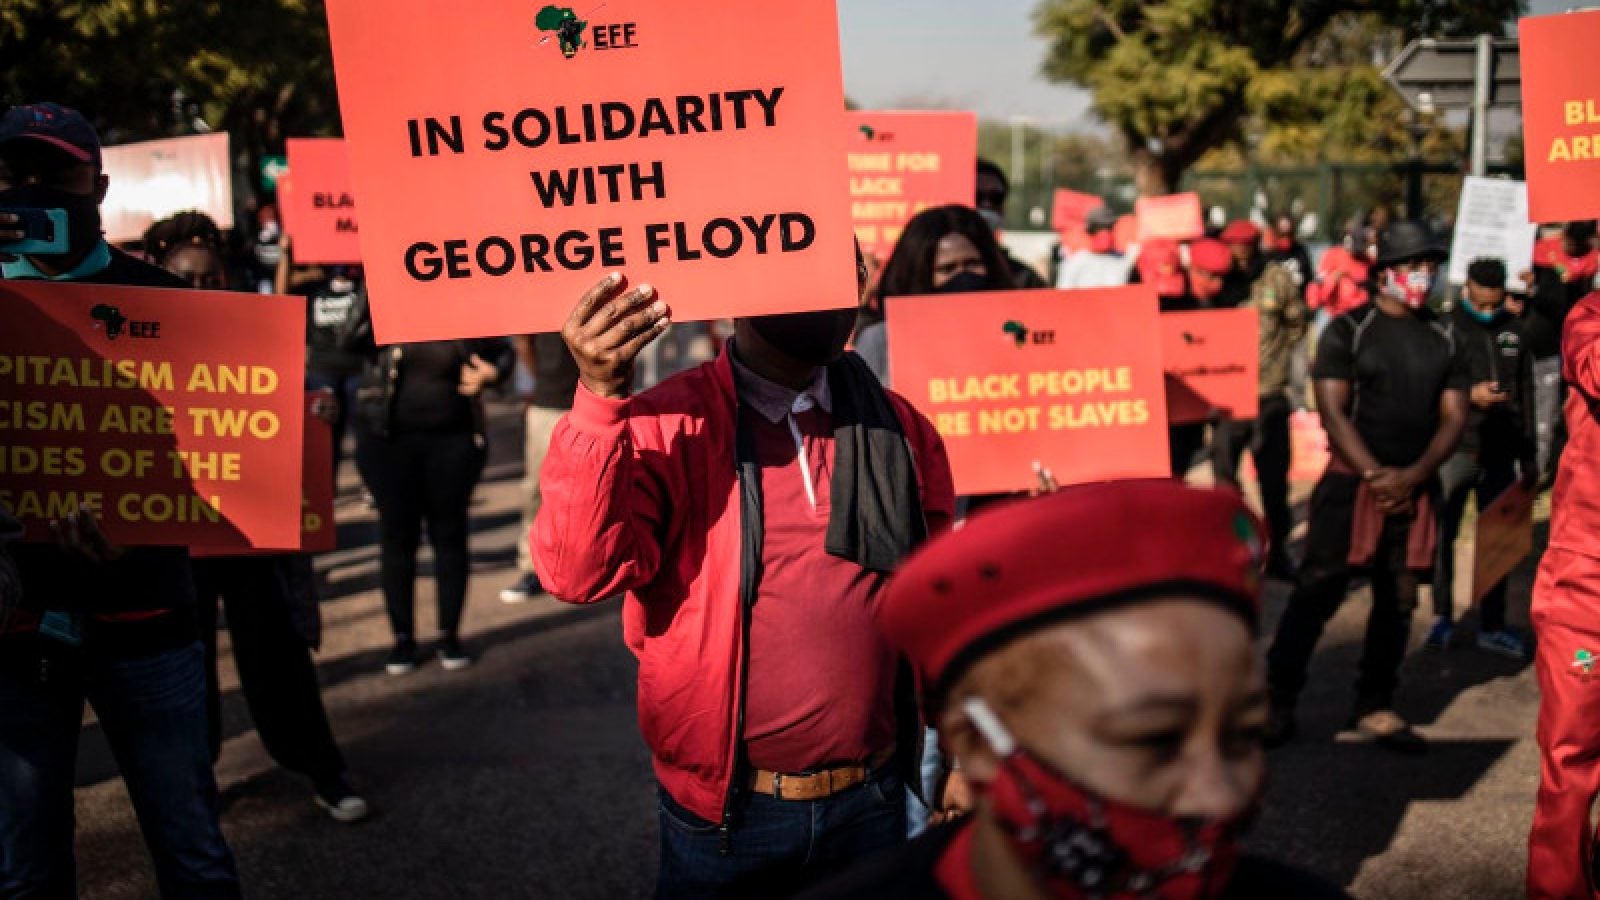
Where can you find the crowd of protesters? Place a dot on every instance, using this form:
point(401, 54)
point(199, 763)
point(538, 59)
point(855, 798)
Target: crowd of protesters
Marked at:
point(836, 653)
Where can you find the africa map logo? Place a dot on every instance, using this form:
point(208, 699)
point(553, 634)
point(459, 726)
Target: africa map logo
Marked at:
point(567, 28)
point(110, 318)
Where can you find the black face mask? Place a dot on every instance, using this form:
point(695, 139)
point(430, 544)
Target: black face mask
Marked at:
point(817, 338)
point(83, 211)
point(964, 283)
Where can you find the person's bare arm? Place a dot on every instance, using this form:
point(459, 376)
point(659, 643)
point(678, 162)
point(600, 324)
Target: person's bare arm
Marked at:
point(1333, 403)
point(280, 278)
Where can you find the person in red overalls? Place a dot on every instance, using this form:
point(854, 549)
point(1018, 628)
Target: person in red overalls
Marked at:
point(1566, 619)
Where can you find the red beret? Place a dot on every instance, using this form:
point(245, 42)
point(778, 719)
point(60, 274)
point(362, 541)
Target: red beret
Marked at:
point(1241, 231)
point(1209, 255)
point(1082, 550)
point(1160, 267)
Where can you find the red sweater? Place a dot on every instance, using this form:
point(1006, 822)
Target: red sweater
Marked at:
point(641, 497)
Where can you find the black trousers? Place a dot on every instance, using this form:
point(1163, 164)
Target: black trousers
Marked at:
point(1486, 475)
point(276, 673)
point(1183, 443)
point(417, 477)
point(1323, 583)
point(1267, 439)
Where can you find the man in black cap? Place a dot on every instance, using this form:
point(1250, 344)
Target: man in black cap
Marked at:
point(993, 190)
point(1391, 386)
point(114, 626)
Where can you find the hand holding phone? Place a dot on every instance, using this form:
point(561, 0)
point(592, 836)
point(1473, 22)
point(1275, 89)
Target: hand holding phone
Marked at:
point(27, 231)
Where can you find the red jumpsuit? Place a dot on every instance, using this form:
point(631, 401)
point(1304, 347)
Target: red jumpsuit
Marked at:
point(1566, 618)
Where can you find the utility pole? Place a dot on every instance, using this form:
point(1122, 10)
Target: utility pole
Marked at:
point(1481, 88)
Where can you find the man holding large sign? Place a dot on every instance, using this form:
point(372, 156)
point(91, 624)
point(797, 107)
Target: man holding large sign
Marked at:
point(751, 511)
point(113, 625)
point(699, 145)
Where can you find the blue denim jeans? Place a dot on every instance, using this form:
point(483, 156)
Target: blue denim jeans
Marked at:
point(778, 847)
point(153, 713)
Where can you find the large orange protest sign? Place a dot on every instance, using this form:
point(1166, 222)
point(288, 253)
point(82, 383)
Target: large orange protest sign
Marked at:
point(1561, 116)
point(1068, 379)
point(1212, 362)
point(509, 155)
point(318, 203)
point(174, 415)
point(1071, 208)
point(1175, 217)
point(904, 162)
point(152, 180)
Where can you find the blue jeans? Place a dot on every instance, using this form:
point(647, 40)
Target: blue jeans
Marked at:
point(778, 847)
point(153, 713)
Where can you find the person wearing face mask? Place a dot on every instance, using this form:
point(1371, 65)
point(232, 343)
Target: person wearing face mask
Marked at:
point(1104, 700)
point(1270, 289)
point(750, 511)
point(331, 307)
point(114, 626)
point(993, 188)
point(1100, 265)
point(270, 598)
point(1564, 272)
point(1391, 384)
point(946, 249)
point(1498, 439)
point(1285, 249)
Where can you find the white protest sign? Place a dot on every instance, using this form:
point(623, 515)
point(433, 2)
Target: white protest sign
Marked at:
point(1492, 222)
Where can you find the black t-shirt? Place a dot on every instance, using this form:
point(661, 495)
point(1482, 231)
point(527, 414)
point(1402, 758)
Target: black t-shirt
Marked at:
point(328, 317)
point(1398, 367)
point(426, 396)
point(555, 372)
point(144, 580)
point(909, 873)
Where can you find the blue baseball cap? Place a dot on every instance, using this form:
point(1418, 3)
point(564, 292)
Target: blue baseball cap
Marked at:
point(51, 123)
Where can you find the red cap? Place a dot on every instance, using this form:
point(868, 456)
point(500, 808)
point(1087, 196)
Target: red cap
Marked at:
point(1080, 551)
point(1161, 267)
point(1210, 255)
point(1241, 231)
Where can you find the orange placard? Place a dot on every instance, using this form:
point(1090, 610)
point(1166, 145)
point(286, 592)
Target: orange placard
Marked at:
point(904, 162)
point(1070, 209)
point(318, 203)
point(1175, 217)
point(509, 155)
point(174, 415)
point(318, 533)
point(1068, 379)
point(1504, 539)
point(1212, 363)
point(1561, 116)
point(1126, 232)
point(151, 180)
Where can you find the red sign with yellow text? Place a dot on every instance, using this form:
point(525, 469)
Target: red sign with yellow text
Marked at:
point(904, 162)
point(1212, 362)
point(508, 155)
point(318, 203)
point(1175, 217)
point(1071, 380)
point(1561, 115)
point(318, 532)
point(173, 415)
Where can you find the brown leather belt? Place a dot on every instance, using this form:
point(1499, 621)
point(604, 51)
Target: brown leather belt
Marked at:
point(818, 785)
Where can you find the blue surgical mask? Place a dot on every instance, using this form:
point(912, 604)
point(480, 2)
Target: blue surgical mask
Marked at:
point(1482, 316)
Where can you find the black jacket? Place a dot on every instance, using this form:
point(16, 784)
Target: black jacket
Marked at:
point(1497, 352)
point(1548, 305)
point(380, 377)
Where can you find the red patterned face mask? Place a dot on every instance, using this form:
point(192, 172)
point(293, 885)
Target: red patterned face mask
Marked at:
point(1082, 845)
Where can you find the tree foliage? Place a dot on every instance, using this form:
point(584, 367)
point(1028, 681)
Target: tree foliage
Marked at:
point(260, 69)
point(1180, 78)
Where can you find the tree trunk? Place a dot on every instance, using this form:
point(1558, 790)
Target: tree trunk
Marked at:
point(1150, 174)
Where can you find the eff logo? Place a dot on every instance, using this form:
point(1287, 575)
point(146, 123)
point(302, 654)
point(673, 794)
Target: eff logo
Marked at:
point(1022, 336)
point(568, 30)
point(109, 319)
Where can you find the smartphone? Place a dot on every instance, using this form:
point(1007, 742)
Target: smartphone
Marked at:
point(44, 231)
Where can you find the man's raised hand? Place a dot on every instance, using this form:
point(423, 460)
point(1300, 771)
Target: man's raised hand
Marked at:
point(608, 329)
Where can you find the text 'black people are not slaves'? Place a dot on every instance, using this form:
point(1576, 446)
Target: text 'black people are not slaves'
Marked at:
point(531, 130)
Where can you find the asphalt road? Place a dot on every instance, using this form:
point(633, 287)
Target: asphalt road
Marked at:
point(525, 775)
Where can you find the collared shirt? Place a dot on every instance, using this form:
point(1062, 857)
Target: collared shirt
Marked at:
point(821, 677)
point(96, 262)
